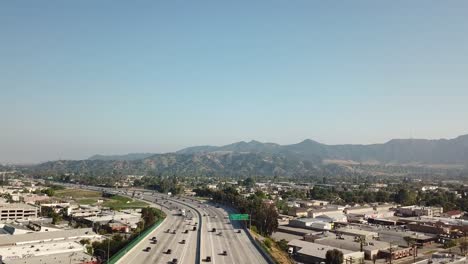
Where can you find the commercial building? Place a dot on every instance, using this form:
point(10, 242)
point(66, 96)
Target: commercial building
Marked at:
point(358, 209)
point(328, 211)
point(309, 252)
point(130, 219)
point(454, 214)
point(44, 237)
point(83, 211)
point(31, 198)
point(68, 258)
point(298, 211)
point(312, 223)
point(371, 248)
point(40, 249)
point(17, 211)
point(333, 217)
point(413, 210)
point(367, 235)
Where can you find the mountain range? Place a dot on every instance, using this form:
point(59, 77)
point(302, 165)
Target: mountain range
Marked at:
point(269, 159)
point(395, 151)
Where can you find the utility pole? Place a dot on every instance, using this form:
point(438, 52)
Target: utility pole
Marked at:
point(108, 249)
point(391, 252)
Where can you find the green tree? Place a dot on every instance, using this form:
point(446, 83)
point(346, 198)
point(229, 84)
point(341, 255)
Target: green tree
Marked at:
point(463, 246)
point(406, 197)
point(283, 245)
point(334, 257)
point(267, 243)
point(450, 243)
point(249, 182)
point(409, 241)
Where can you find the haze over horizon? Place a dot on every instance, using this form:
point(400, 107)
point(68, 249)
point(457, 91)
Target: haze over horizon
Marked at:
point(84, 78)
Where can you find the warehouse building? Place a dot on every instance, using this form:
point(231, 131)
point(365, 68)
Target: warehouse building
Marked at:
point(312, 223)
point(314, 253)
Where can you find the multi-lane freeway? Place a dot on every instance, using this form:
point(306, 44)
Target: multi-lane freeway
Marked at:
point(205, 234)
point(227, 237)
point(174, 240)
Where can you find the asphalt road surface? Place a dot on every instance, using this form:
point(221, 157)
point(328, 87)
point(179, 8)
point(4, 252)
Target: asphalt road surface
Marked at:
point(184, 252)
point(238, 247)
point(229, 236)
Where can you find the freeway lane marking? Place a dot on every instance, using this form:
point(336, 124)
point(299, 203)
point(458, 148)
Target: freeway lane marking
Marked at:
point(212, 246)
point(187, 242)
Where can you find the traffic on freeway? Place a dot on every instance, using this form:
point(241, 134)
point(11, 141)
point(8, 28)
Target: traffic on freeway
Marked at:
point(194, 231)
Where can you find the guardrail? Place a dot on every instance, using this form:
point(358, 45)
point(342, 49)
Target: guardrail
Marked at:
point(259, 247)
point(198, 257)
point(117, 256)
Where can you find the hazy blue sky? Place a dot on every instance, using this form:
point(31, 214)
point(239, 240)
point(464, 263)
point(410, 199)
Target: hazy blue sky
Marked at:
point(84, 77)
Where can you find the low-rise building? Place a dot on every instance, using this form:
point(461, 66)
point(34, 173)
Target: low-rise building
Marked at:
point(414, 210)
point(32, 198)
point(366, 235)
point(358, 210)
point(17, 211)
point(115, 221)
point(312, 223)
point(333, 217)
point(83, 211)
point(39, 249)
point(371, 248)
point(76, 257)
point(329, 211)
point(44, 237)
point(298, 211)
point(454, 214)
point(309, 252)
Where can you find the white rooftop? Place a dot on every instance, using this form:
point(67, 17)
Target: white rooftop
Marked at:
point(314, 249)
point(40, 249)
point(36, 237)
point(72, 258)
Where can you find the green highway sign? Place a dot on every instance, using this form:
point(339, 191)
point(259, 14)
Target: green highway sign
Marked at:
point(238, 217)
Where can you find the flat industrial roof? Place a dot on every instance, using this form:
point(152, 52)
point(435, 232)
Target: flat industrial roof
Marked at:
point(46, 236)
point(116, 217)
point(309, 220)
point(30, 250)
point(314, 249)
point(348, 243)
point(16, 206)
point(356, 231)
point(73, 258)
